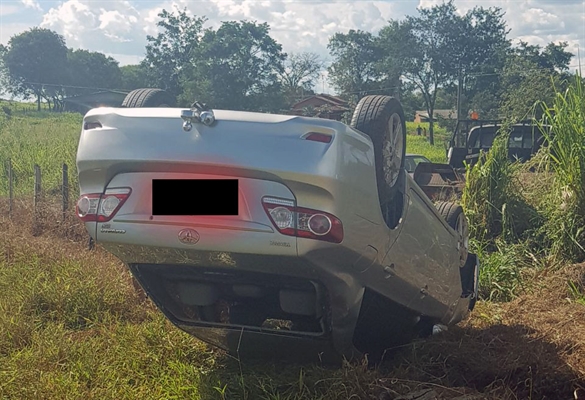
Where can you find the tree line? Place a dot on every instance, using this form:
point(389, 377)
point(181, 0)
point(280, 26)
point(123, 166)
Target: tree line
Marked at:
point(437, 59)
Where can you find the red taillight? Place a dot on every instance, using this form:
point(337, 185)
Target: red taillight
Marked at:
point(101, 207)
point(303, 222)
point(318, 137)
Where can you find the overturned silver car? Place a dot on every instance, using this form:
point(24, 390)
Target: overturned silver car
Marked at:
point(275, 235)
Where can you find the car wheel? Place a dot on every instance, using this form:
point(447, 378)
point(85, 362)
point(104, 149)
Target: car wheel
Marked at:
point(382, 119)
point(148, 98)
point(455, 217)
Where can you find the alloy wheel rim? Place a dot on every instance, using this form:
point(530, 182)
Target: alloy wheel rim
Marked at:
point(393, 147)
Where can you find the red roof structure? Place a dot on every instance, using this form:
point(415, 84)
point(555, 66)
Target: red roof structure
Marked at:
point(322, 106)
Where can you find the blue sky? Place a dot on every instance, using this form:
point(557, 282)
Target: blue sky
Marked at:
point(119, 27)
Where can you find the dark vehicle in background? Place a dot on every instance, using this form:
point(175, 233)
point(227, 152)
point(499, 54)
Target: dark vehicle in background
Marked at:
point(472, 137)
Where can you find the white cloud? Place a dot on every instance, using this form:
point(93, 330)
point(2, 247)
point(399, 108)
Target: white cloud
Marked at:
point(72, 18)
point(31, 4)
point(150, 21)
point(125, 59)
point(114, 26)
point(428, 3)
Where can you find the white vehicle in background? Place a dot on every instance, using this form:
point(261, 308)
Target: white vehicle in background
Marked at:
point(411, 161)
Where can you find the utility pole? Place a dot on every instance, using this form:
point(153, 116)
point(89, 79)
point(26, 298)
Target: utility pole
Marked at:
point(459, 84)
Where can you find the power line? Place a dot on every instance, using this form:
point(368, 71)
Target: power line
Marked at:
point(75, 87)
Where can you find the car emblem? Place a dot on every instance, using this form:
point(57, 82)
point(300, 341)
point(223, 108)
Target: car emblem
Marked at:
point(189, 236)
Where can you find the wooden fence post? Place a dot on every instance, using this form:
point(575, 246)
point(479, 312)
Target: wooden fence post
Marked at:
point(65, 190)
point(37, 200)
point(10, 194)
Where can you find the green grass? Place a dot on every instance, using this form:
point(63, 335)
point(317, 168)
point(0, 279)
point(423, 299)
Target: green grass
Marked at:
point(19, 107)
point(42, 138)
point(514, 213)
point(441, 134)
point(577, 291)
point(420, 145)
point(566, 157)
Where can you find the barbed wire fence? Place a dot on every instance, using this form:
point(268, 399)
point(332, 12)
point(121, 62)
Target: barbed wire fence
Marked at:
point(58, 201)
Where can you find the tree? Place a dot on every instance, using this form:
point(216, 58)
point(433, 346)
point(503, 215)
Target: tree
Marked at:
point(411, 100)
point(238, 67)
point(171, 52)
point(436, 47)
point(519, 77)
point(92, 69)
point(553, 57)
point(36, 61)
point(299, 74)
point(486, 48)
point(134, 77)
point(355, 71)
point(526, 84)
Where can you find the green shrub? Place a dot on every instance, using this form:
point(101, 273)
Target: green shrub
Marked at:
point(492, 200)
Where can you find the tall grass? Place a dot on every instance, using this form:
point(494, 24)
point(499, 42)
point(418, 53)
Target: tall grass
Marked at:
point(491, 198)
point(566, 209)
point(503, 224)
point(46, 139)
point(541, 212)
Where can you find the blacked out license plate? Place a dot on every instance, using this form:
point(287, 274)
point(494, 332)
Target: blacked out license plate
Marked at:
point(195, 197)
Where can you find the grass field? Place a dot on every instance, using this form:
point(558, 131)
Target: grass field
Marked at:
point(44, 138)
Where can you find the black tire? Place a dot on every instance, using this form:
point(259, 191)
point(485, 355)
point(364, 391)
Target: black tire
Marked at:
point(148, 98)
point(372, 116)
point(383, 326)
point(475, 287)
point(455, 217)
